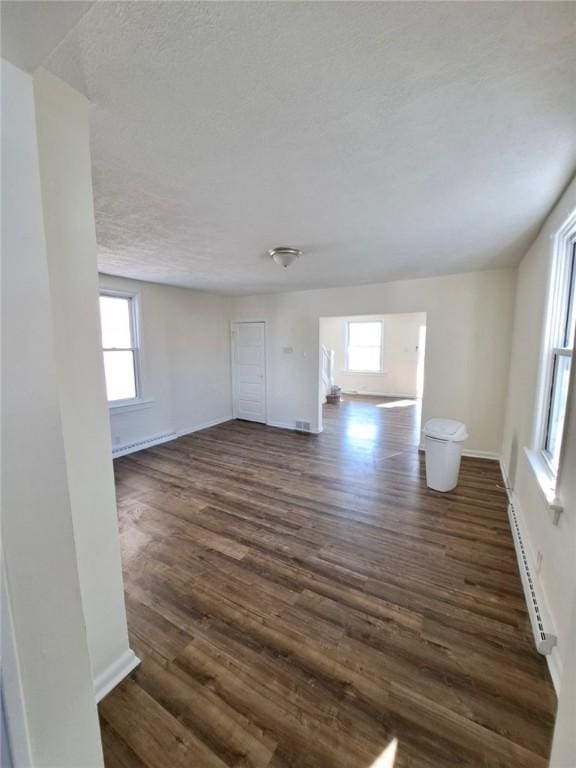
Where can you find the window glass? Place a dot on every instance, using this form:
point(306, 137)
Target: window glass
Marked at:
point(570, 324)
point(561, 352)
point(559, 399)
point(115, 319)
point(118, 347)
point(364, 351)
point(120, 378)
point(364, 334)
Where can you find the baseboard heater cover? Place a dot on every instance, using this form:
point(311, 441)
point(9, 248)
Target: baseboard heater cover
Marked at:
point(544, 640)
point(145, 443)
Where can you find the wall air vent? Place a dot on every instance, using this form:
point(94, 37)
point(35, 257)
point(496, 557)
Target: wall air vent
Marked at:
point(302, 426)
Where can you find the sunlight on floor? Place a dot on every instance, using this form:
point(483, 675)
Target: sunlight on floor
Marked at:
point(386, 759)
point(397, 404)
point(361, 431)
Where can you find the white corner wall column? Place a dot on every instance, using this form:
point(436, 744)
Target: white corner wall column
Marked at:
point(65, 172)
point(47, 678)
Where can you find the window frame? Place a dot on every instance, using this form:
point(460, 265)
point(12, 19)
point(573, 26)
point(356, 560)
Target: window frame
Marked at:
point(347, 368)
point(560, 316)
point(133, 300)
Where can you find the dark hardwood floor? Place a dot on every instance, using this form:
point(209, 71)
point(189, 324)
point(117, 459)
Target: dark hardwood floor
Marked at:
point(306, 601)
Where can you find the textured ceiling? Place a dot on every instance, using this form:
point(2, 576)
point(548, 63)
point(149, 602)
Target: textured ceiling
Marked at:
point(31, 30)
point(387, 140)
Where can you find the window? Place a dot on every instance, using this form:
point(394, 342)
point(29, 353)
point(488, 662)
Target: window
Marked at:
point(561, 348)
point(119, 345)
point(364, 347)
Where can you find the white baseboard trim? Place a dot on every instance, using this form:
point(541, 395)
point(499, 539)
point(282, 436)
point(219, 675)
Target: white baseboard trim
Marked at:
point(506, 479)
point(115, 673)
point(471, 454)
point(279, 424)
point(378, 394)
point(205, 425)
point(492, 455)
point(553, 659)
point(292, 427)
point(164, 437)
point(555, 668)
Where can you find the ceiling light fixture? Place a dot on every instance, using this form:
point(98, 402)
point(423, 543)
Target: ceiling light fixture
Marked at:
point(284, 256)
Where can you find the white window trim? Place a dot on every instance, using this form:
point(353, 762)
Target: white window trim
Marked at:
point(538, 458)
point(546, 480)
point(361, 371)
point(138, 402)
point(125, 406)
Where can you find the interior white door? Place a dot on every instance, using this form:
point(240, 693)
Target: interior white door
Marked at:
point(249, 371)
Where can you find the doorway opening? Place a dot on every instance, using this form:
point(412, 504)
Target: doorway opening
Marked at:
point(376, 363)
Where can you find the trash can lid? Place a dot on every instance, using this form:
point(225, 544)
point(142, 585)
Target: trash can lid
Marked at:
point(446, 429)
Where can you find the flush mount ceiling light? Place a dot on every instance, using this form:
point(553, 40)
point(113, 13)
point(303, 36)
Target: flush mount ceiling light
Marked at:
point(284, 256)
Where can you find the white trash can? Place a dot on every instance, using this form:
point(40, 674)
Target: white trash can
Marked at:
point(444, 438)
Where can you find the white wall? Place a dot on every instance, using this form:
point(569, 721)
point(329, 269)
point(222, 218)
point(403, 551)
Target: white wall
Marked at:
point(564, 742)
point(469, 319)
point(65, 171)
point(400, 335)
point(53, 663)
point(185, 361)
point(556, 543)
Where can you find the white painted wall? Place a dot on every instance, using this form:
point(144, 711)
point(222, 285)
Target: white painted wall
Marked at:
point(185, 361)
point(564, 742)
point(38, 537)
point(400, 354)
point(469, 319)
point(556, 543)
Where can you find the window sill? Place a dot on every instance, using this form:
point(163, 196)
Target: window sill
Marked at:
point(126, 406)
point(363, 373)
point(545, 481)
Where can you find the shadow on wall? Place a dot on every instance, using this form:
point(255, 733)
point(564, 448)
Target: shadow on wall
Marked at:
point(513, 461)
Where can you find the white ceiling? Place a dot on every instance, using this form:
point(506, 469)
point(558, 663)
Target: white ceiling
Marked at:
point(387, 140)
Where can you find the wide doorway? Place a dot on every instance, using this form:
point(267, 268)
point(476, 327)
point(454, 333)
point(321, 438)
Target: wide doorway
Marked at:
point(371, 378)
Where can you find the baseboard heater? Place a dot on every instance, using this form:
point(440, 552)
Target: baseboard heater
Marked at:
point(544, 640)
point(138, 445)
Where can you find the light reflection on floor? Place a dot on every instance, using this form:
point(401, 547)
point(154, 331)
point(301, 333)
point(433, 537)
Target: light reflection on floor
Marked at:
point(368, 435)
point(386, 759)
point(397, 404)
point(360, 431)
point(371, 426)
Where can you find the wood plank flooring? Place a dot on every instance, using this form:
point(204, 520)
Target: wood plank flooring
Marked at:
point(306, 602)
